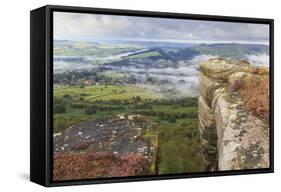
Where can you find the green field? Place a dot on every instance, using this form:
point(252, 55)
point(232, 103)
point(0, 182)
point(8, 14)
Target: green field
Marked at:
point(142, 55)
point(99, 51)
point(114, 74)
point(90, 95)
point(105, 92)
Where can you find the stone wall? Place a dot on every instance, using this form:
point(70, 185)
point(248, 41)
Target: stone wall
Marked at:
point(232, 138)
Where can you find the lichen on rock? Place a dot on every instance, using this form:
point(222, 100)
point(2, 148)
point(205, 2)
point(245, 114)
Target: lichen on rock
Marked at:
point(239, 138)
point(221, 69)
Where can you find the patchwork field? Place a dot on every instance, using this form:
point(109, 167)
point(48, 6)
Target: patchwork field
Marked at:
point(105, 92)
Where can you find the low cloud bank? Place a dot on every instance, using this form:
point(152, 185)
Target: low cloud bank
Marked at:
point(197, 60)
point(259, 60)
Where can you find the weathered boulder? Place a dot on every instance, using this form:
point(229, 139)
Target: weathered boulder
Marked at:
point(207, 127)
point(243, 140)
point(221, 69)
point(207, 119)
point(231, 136)
point(119, 135)
point(208, 86)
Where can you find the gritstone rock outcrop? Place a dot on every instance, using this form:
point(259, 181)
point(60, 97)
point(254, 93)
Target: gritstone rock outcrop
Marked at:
point(231, 136)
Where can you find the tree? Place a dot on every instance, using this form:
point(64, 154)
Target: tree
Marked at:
point(138, 98)
point(59, 108)
point(66, 96)
point(82, 85)
point(172, 119)
point(91, 110)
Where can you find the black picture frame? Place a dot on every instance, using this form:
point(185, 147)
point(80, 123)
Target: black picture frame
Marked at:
point(41, 58)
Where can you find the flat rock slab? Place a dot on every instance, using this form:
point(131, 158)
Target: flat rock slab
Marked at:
point(119, 135)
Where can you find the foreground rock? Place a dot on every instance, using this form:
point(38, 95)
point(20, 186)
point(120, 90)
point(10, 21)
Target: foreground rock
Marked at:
point(232, 137)
point(121, 137)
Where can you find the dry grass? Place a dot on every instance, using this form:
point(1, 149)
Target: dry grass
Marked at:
point(256, 94)
point(69, 166)
point(259, 70)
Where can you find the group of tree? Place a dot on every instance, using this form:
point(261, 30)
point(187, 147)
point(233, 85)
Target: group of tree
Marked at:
point(59, 105)
point(92, 109)
point(169, 116)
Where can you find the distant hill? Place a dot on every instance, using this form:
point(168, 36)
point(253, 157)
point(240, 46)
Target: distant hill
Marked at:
point(75, 44)
point(227, 50)
point(231, 50)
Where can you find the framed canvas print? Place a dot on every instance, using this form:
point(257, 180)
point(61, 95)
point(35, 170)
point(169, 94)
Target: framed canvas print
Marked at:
point(122, 95)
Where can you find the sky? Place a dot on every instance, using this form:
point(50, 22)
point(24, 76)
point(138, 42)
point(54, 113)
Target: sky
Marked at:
point(78, 26)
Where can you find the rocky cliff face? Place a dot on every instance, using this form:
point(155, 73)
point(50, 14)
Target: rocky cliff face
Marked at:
point(232, 136)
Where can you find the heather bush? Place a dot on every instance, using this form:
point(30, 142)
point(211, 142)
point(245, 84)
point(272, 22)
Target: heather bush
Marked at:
point(69, 166)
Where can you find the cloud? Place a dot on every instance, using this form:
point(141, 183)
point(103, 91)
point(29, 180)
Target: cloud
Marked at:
point(73, 24)
point(260, 59)
point(94, 26)
point(201, 58)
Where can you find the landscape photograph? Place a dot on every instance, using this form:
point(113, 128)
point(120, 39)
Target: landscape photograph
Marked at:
point(142, 96)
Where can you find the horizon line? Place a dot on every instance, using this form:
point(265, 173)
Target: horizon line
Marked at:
point(168, 41)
